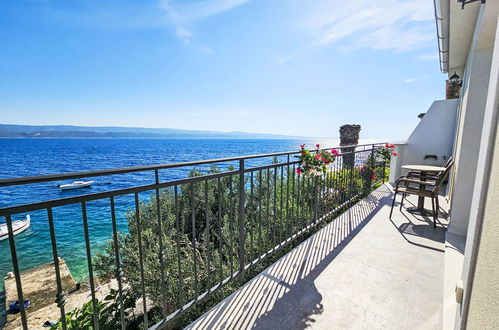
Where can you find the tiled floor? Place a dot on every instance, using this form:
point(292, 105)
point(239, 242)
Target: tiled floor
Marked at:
point(361, 271)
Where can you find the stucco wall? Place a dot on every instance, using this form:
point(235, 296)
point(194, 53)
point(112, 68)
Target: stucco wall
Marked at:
point(480, 309)
point(484, 301)
point(434, 135)
point(472, 109)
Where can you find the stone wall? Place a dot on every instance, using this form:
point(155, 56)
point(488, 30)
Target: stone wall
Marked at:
point(349, 135)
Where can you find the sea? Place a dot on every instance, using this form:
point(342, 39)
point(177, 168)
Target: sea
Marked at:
point(33, 157)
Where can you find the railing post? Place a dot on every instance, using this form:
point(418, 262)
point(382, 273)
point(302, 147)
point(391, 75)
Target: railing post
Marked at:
point(242, 234)
point(60, 296)
point(384, 170)
point(160, 236)
point(373, 164)
point(17, 273)
point(350, 188)
point(118, 272)
point(315, 197)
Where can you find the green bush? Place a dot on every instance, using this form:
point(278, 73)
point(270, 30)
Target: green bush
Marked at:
point(198, 253)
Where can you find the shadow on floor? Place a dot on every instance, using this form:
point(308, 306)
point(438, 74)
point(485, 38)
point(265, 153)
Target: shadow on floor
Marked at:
point(266, 300)
point(416, 229)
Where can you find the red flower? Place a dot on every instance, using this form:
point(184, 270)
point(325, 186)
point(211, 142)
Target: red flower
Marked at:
point(395, 154)
point(317, 157)
point(362, 168)
point(326, 161)
point(317, 146)
point(373, 177)
point(334, 152)
point(299, 171)
point(303, 153)
point(387, 146)
point(392, 146)
point(302, 146)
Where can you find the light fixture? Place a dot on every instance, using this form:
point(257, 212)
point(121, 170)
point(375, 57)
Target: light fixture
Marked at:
point(465, 2)
point(454, 80)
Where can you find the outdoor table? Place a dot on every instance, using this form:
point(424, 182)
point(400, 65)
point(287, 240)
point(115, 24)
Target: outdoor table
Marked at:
point(423, 169)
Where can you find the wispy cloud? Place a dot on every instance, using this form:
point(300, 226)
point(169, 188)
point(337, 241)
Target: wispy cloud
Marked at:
point(410, 80)
point(283, 59)
point(184, 34)
point(399, 25)
point(206, 50)
point(184, 15)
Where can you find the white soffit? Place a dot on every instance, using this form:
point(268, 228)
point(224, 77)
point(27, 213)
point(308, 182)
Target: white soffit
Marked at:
point(461, 28)
point(488, 29)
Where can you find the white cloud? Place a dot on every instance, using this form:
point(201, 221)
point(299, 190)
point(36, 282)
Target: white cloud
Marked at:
point(184, 15)
point(184, 35)
point(399, 25)
point(410, 80)
point(283, 59)
point(195, 10)
point(206, 50)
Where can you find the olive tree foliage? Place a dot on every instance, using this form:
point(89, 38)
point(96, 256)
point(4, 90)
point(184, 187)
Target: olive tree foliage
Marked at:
point(198, 229)
point(190, 249)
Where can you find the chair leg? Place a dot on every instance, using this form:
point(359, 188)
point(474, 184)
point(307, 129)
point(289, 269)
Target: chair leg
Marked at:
point(402, 202)
point(393, 203)
point(434, 213)
point(438, 205)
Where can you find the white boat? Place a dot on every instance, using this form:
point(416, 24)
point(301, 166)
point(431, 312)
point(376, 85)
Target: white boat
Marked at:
point(18, 226)
point(76, 185)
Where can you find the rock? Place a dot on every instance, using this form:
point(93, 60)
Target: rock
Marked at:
point(349, 135)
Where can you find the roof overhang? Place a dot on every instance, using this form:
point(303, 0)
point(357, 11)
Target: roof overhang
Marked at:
point(455, 29)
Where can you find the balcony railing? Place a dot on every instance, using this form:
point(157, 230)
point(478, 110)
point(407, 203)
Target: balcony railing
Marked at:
point(193, 237)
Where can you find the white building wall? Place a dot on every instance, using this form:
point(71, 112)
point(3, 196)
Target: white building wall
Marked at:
point(480, 275)
point(471, 114)
point(483, 282)
point(434, 135)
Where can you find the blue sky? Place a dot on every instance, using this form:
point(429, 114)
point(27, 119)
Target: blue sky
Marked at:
point(276, 66)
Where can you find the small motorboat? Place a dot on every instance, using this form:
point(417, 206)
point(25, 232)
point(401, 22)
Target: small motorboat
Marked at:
point(76, 185)
point(18, 226)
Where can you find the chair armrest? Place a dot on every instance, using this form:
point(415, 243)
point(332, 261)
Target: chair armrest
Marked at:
point(419, 175)
point(410, 180)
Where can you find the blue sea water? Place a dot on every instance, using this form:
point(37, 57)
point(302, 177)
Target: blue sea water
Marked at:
point(31, 157)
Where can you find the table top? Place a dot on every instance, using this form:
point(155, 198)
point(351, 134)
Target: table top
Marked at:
point(424, 168)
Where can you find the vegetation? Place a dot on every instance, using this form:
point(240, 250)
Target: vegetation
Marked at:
point(198, 233)
point(317, 162)
point(108, 313)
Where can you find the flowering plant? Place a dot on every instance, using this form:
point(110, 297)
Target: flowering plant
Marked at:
point(386, 152)
point(317, 161)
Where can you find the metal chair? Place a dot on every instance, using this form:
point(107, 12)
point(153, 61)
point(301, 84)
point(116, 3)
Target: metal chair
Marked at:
point(402, 185)
point(416, 174)
point(427, 177)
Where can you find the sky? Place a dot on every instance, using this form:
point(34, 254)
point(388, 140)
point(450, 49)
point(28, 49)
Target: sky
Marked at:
point(270, 66)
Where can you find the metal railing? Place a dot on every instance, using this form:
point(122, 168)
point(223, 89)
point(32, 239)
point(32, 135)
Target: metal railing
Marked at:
point(190, 237)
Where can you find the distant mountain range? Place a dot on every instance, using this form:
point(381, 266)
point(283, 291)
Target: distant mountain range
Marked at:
point(111, 132)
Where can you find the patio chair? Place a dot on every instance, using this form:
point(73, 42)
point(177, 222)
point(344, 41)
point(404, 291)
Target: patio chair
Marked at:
point(430, 176)
point(402, 185)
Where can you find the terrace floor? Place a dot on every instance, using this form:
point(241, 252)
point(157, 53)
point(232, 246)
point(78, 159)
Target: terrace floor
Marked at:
point(361, 271)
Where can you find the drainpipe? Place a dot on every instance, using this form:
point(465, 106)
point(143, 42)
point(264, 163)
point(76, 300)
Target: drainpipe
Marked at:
point(442, 13)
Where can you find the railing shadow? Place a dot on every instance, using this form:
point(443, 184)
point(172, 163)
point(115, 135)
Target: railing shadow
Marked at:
point(266, 300)
point(421, 235)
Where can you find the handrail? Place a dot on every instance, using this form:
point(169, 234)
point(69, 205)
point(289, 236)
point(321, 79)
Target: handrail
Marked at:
point(260, 210)
point(88, 174)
